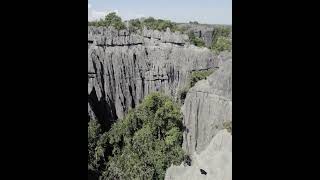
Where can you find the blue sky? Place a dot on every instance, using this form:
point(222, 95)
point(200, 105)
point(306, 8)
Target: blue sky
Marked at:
point(203, 11)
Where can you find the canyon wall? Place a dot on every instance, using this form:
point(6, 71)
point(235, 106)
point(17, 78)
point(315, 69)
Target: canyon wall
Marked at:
point(207, 108)
point(124, 67)
point(214, 163)
point(206, 32)
point(206, 111)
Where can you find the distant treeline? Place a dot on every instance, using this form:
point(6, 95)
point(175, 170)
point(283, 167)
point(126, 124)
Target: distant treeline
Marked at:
point(135, 24)
point(221, 34)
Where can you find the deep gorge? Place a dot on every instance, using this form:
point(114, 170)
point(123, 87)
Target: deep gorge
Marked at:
point(124, 67)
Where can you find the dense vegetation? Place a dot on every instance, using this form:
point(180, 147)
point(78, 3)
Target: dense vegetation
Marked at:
point(143, 144)
point(196, 40)
point(221, 39)
point(221, 34)
point(111, 19)
point(193, 22)
point(97, 146)
point(152, 23)
point(148, 139)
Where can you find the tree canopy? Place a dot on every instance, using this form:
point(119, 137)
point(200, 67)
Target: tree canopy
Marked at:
point(221, 39)
point(111, 19)
point(152, 23)
point(142, 145)
point(147, 141)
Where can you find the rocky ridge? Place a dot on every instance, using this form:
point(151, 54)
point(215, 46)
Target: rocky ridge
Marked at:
point(207, 108)
point(202, 31)
point(124, 67)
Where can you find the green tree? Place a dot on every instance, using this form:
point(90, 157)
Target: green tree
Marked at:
point(199, 75)
point(193, 22)
point(111, 19)
point(222, 44)
point(135, 24)
point(97, 146)
point(152, 23)
point(221, 39)
point(94, 131)
point(147, 141)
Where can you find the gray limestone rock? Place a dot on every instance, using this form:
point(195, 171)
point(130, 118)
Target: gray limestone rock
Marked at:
point(203, 31)
point(207, 107)
point(166, 37)
point(124, 67)
point(214, 163)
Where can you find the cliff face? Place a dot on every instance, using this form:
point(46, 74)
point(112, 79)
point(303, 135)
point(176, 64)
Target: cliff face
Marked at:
point(208, 107)
point(214, 163)
point(124, 67)
point(203, 31)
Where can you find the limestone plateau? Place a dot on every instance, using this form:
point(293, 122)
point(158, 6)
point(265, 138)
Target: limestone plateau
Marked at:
point(124, 67)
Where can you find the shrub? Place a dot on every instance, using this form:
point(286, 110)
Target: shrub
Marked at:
point(152, 23)
point(228, 125)
point(94, 133)
point(135, 24)
point(221, 31)
point(195, 40)
point(222, 44)
point(199, 75)
point(194, 77)
point(221, 39)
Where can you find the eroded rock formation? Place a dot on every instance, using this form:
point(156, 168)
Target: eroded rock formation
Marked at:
point(214, 163)
point(208, 107)
point(206, 32)
point(124, 67)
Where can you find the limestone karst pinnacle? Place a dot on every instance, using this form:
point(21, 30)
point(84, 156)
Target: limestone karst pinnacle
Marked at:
point(124, 67)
